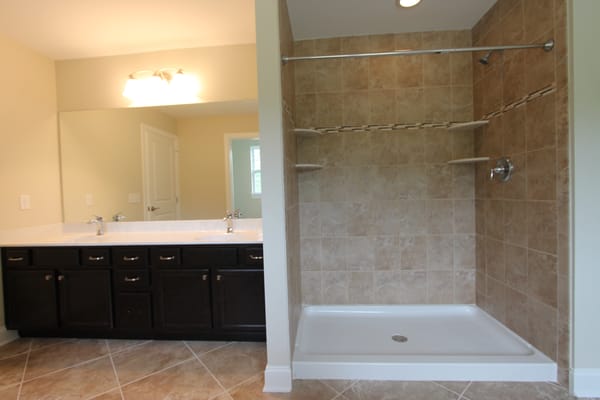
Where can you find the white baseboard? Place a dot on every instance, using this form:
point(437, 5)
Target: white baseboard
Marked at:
point(278, 379)
point(585, 382)
point(7, 336)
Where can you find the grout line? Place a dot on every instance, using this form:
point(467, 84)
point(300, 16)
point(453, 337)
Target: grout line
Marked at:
point(350, 387)
point(207, 369)
point(115, 371)
point(79, 364)
point(462, 395)
point(14, 355)
point(441, 385)
point(127, 348)
point(158, 372)
point(245, 381)
point(185, 342)
point(331, 387)
point(61, 341)
point(24, 370)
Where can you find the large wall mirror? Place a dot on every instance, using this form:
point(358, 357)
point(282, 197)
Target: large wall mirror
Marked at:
point(161, 163)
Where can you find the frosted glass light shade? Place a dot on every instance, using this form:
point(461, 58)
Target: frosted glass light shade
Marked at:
point(161, 89)
point(408, 3)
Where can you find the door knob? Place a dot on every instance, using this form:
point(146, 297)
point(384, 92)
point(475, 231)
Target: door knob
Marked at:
point(152, 208)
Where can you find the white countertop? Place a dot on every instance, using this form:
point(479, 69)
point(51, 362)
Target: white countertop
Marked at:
point(136, 233)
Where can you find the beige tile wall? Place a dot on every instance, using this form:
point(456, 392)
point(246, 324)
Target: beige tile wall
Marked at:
point(522, 226)
point(386, 220)
point(290, 175)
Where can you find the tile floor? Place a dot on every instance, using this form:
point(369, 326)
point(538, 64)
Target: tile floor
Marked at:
point(69, 369)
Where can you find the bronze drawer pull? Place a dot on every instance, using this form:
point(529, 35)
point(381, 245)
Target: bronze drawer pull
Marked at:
point(134, 279)
point(166, 258)
point(48, 277)
point(219, 277)
point(204, 277)
point(15, 259)
point(61, 278)
point(252, 257)
point(134, 258)
point(99, 258)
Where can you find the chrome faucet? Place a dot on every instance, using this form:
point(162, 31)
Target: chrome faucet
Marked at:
point(229, 221)
point(99, 221)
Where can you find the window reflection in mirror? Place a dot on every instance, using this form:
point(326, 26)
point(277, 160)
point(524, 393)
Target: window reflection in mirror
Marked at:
point(245, 176)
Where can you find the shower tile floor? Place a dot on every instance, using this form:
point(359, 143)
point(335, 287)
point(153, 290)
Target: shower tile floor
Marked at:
point(69, 369)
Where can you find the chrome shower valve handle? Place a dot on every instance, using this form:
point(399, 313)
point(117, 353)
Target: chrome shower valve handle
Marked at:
point(503, 170)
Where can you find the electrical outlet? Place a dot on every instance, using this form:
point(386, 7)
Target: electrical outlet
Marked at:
point(25, 202)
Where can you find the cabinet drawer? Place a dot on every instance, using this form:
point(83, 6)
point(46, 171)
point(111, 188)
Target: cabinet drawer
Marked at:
point(206, 256)
point(134, 311)
point(95, 256)
point(56, 256)
point(252, 255)
point(130, 256)
point(133, 279)
point(165, 256)
point(17, 257)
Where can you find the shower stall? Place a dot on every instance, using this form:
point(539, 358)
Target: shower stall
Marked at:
point(432, 198)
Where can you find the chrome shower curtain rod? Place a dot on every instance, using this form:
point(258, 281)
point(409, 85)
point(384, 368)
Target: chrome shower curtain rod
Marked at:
point(548, 46)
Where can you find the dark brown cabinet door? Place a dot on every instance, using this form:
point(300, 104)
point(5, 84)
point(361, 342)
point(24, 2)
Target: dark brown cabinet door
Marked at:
point(30, 298)
point(85, 298)
point(134, 311)
point(239, 299)
point(184, 299)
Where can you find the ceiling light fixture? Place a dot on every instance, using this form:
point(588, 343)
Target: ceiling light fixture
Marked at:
point(160, 87)
point(408, 3)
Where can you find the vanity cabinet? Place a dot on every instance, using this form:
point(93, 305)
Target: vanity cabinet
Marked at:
point(183, 292)
point(49, 288)
point(211, 289)
point(133, 289)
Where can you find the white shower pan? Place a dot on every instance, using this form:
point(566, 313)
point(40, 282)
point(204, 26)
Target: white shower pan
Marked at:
point(413, 342)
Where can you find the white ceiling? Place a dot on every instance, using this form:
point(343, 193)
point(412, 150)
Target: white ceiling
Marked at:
point(66, 29)
point(330, 18)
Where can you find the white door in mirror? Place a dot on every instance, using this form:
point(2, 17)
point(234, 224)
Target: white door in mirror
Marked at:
point(161, 186)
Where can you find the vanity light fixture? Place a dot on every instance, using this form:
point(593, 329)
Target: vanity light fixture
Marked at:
point(408, 3)
point(160, 87)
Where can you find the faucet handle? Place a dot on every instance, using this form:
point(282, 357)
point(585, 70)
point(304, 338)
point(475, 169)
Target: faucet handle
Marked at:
point(228, 215)
point(95, 219)
point(237, 213)
point(118, 217)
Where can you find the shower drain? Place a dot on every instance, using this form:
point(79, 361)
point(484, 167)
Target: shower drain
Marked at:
point(399, 338)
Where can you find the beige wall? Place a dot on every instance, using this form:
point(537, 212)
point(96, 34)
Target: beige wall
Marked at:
point(29, 153)
point(202, 162)
point(101, 156)
point(522, 226)
point(386, 221)
point(226, 73)
point(29, 140)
